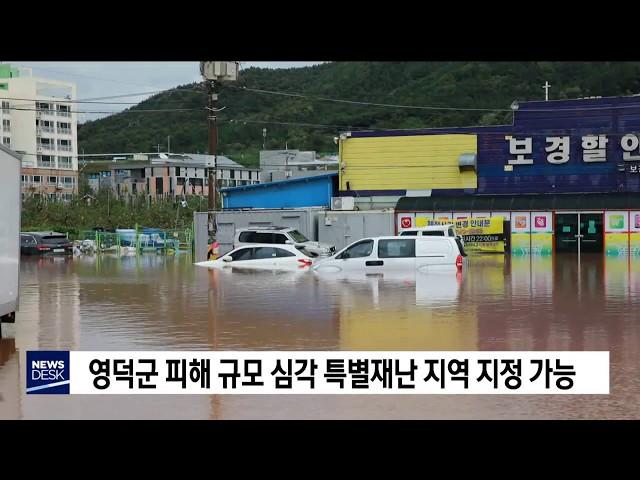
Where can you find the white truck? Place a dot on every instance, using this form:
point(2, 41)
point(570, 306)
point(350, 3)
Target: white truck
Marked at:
point(10, 202)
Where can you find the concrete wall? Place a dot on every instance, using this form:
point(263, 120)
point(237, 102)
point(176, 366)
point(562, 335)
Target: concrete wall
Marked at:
point(343, 228)
point(303, 219)
point(200, 235)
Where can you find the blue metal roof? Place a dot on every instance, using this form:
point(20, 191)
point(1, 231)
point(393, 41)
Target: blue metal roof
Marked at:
point(278, 183)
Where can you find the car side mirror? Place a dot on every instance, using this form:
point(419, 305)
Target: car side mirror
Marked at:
point(289, 242)
point(227, 259)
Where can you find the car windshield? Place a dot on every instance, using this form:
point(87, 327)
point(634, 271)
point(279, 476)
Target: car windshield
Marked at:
point(54, 239)
point(297, 236)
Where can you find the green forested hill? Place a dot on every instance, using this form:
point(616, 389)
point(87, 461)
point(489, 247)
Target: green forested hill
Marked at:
point(447, 84)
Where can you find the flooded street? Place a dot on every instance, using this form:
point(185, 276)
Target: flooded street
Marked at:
point(154, 302)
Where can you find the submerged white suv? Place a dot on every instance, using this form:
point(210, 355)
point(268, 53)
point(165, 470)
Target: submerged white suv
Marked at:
point(432, 231)
point(282, 235)
point(403, 254)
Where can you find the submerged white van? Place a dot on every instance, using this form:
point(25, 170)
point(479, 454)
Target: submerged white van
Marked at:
point(434, 230)
point(381, 254)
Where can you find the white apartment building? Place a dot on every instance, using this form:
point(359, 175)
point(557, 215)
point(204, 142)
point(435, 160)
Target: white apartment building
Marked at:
point(39, 121)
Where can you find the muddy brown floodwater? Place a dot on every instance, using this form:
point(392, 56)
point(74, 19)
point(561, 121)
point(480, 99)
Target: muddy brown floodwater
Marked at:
point(165, 303)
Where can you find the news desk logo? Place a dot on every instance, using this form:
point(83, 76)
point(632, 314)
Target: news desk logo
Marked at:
point(48, 373)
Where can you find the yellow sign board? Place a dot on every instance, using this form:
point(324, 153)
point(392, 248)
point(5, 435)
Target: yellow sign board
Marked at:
point(479, 234)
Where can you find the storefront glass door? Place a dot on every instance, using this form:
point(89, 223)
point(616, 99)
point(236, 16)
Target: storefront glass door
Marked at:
point(579, 232)
point(592, 239)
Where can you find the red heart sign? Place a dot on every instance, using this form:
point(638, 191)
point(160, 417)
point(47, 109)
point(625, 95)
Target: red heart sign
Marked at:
point(405, 222)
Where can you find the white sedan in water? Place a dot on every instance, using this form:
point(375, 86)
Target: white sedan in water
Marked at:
point(262, 257)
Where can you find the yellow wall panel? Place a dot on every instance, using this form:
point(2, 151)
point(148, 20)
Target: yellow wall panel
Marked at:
point(416, 162)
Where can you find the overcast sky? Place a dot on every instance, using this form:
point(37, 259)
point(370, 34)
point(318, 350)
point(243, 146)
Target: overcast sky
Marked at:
point(103, 79)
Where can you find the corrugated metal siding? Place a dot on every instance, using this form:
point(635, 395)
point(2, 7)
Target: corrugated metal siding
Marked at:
point(406, 162)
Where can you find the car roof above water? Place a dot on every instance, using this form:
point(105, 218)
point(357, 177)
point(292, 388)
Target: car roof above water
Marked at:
point(44, 234)
point(286, 246)
point(263, 228)
point(399, 237)
point(433, 227)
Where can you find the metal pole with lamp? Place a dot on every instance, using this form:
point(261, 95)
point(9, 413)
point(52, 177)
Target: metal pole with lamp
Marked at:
point(213, 72)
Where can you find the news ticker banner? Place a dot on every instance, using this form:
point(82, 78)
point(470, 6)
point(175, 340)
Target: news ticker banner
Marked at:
point(324, 372)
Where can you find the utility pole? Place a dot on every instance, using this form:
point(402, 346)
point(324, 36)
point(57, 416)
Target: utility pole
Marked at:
point(213, 73)
point(213, 142)
point(168, 143)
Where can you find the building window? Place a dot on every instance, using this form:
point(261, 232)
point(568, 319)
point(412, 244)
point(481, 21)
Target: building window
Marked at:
point(24, 179)
point(6, 141)
point(64, 145)
point(45, 143)
point(6, 125)
point(37, 179)
point(64, 162)
point(68, 182)
point(64, 110)
point(64, 128)
point(53, 180)
point(45, 161)
point(232, 174)
point(52, 196)
point(5, 107)
point(67, 197)
point(44, 126)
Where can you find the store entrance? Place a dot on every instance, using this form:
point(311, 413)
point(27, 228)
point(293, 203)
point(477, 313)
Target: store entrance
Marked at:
point(579, 232)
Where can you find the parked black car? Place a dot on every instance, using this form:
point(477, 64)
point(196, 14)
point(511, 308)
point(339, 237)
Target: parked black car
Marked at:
point(40, 243)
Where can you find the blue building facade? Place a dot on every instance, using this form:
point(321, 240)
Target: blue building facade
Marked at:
point(564, 176)
point(315, 191)
point(563, 146)
point(568, 146)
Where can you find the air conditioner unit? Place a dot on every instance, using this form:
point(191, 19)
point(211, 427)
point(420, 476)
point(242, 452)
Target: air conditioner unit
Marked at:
point(343, 203)
point(468, 161)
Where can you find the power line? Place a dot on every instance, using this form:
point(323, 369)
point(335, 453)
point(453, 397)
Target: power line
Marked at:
point(86, 76)
point(141, 110)
point(273, 122)
point(423, 107)
point(93, 100)
point(64, 100)
point(155, 92)
point(355, 102)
